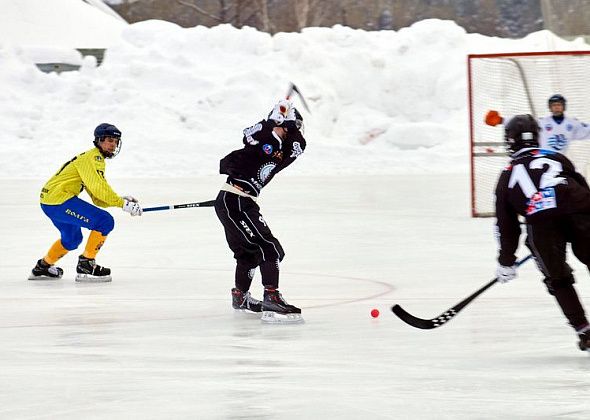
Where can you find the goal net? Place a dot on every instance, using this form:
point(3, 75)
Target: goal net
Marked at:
point(520, 83)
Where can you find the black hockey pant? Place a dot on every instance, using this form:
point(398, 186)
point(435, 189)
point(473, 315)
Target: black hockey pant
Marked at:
point(548, 242)
point(250, 239)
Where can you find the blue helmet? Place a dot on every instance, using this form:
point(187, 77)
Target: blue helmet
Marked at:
point(556, 98)
point(107, 130)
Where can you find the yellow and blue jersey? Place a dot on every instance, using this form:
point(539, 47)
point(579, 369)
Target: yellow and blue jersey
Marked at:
point(85, 171)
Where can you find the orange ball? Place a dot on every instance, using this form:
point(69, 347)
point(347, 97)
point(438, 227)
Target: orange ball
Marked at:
point(375, 313)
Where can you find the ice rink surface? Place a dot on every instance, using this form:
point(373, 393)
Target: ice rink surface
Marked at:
point(162, 341)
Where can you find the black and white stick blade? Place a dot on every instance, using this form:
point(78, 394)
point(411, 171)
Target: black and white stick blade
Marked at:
point(423, 324)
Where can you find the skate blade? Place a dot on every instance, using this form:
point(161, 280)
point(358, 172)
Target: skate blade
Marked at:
point(33, 277)
point(269, 317)
point(245, 310)
point(243, 314)
point(87, 278)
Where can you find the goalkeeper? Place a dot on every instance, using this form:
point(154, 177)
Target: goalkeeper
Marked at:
point(557, 130)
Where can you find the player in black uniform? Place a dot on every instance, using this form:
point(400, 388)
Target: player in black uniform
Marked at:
point(544, 187)
point(269, 147)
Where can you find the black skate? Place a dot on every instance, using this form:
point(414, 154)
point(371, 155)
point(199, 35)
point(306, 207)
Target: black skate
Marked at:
point(45, 271)
point(584, 343)
point(90, 272)
point(245, 301)
point(276, 310)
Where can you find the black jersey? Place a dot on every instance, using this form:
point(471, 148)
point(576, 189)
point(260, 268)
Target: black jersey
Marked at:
point(539, 185)
point(264, 154)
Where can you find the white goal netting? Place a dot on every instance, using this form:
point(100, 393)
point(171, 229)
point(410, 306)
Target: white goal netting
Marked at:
point(520, 83)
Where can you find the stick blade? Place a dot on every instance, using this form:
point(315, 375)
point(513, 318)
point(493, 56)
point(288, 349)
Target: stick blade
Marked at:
point(294, 88)
point(423, 324)
point(446, 316)
point(290, 90)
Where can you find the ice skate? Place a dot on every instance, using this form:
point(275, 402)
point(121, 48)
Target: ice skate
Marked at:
point(275, 310)
point(45, 271)
point(244, 301)
point(90, 272)
point(584, 343)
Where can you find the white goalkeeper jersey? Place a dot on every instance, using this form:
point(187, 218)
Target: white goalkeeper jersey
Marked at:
point(557, 137)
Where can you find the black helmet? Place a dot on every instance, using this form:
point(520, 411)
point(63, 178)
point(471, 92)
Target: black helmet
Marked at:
point(520, 132)
point(107, 130)
point(297, 123)
point(556, 98)
point(299, 120)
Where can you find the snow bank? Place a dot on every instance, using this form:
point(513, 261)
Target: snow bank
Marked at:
point(382, 102)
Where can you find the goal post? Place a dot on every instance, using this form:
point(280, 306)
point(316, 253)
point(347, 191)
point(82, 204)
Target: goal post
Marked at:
point(520, 83)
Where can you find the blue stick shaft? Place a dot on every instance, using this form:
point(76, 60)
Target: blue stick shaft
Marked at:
point(157, 208)
point(525, 259)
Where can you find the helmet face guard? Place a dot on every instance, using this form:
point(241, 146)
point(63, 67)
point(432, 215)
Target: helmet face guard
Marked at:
point(106, 153)
point(556, 99)
point(299, 121)
point(103, 131)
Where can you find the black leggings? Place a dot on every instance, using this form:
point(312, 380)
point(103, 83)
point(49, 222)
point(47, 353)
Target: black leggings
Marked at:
point(250, 239)
point(548, 242)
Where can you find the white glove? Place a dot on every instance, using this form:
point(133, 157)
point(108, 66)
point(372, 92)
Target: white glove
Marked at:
point(130, 198)
point(505, 273)
point(280, 111)
point(132, 207)
point(291, 114)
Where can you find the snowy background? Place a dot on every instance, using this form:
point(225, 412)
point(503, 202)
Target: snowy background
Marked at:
point(382, 102)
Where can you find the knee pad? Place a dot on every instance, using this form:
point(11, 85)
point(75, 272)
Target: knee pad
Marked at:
point(281, 255)
point(73, 241)
point(274, 251)
point(246, 264)
point(105, 224)
point(248, 259)
point(554, 284)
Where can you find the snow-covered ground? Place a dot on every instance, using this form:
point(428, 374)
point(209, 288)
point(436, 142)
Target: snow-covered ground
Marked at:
point(376, 212)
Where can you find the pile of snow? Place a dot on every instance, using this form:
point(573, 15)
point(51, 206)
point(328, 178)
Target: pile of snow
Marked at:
point(381, 102)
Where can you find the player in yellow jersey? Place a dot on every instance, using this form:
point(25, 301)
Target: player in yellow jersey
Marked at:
point(60, 202)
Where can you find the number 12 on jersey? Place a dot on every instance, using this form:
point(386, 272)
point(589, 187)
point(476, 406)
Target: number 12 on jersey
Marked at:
point(544, 198)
